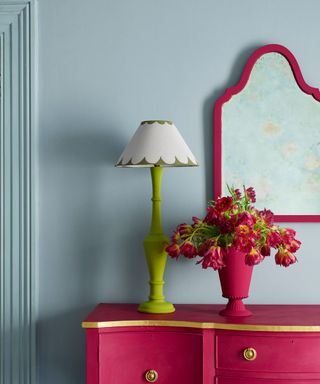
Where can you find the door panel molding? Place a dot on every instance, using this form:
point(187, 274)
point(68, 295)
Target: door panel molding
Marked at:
point(17, 193)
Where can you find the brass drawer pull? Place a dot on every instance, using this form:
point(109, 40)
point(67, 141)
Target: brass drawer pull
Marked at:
point(151, 376)
point(250, 354)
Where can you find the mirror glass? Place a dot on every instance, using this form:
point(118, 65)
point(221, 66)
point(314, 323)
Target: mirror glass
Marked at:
point(270, 139)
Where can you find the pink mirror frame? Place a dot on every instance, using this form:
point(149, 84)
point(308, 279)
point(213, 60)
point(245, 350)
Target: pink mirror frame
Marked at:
point(230, 92)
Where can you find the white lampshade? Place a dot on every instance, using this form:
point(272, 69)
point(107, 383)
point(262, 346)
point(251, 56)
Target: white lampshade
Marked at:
point(157, 142)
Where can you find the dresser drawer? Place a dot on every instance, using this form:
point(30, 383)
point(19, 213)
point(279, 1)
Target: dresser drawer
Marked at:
point(274, 353)
point(125, 357)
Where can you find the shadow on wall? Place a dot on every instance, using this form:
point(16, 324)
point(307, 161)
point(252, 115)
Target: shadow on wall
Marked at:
point(208, 107)
point(77, 160)
point(81, 200)
point(64, 349)
point(80, 158)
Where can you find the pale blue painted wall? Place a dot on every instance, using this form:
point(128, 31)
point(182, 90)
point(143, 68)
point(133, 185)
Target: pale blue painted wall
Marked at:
point(104, 66)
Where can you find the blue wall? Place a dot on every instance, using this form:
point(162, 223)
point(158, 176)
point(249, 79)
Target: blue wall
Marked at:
point(105, 66)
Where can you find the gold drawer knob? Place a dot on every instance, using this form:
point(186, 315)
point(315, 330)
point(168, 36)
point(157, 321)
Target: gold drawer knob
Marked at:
point(151, 376)
point(250, 354)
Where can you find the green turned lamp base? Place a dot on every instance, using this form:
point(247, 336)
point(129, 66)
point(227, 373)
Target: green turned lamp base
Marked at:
point(156, 307)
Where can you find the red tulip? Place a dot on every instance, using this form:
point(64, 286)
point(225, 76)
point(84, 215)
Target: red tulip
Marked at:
point(267, 216)
point(293, 246)
point(265, 250)
point(196, 220)
point(213, 258)
point(246, 219)
point(243, 244)
point(253, 257)
point(176, 237)
point(233, 221)
point(205, 246)
point(242, 230)
point(274, 239)
point(184, 229)
point(287, 234)
point(223, 204)
point(227, 224)
point(211, 217)
point(237, 193)
point(173, 250)
point(284, 257)
point(251, 194)
point(188, 250)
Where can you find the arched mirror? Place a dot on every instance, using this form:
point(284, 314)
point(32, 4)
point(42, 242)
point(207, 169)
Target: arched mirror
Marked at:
point(267, 135)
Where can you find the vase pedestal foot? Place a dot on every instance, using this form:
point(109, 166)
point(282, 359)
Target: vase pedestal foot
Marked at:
point(236, 308)
point(156, 307)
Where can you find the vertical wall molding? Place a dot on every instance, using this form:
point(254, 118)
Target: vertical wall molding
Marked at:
point(17, 175)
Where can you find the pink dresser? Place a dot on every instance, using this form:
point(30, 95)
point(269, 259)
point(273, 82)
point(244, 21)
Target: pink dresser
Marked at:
point(279, 344)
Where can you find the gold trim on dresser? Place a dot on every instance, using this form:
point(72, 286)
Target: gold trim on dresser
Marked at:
point(191, 324)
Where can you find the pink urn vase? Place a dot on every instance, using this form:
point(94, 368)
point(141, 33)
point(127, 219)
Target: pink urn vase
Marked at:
point(235, 280)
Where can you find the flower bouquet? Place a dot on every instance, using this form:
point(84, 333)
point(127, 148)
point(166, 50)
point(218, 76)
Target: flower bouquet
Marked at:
point(234, 230)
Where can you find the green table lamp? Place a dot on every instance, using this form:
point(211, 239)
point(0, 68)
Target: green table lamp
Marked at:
point(156, 144)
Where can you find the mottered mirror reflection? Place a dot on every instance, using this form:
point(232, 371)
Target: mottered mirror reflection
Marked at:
point(270, 136)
